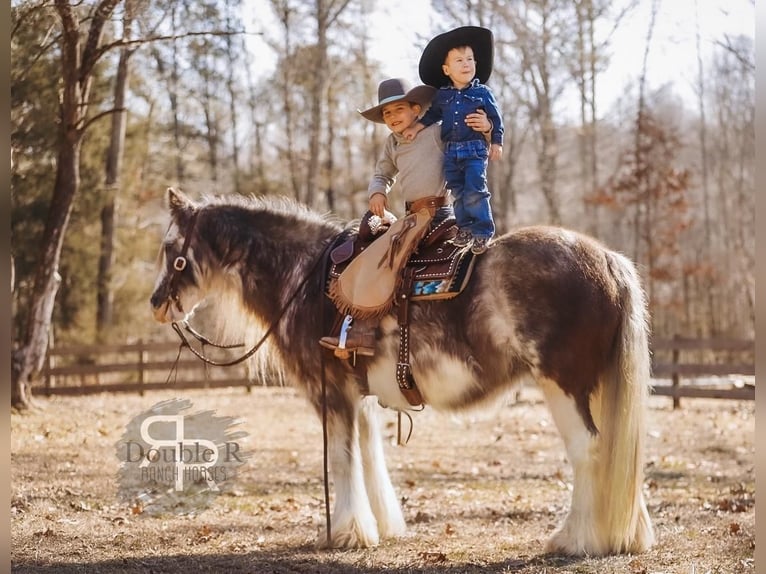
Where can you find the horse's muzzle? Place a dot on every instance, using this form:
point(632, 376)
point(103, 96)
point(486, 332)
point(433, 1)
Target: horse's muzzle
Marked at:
point(161, 306)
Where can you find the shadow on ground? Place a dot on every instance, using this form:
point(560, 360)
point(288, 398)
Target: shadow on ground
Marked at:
point(303, 559)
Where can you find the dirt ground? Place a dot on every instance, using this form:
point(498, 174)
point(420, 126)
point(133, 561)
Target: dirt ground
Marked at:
point(482, 491)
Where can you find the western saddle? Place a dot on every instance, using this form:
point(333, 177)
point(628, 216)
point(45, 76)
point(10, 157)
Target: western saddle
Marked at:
point(436, 270)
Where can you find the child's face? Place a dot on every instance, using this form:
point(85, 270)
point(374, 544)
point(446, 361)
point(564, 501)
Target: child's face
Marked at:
point(400, 115)
point(459, 66)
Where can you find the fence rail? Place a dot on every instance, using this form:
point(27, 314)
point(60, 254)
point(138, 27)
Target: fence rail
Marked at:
point(687, 358)
point(138, 367)
point(144, 366)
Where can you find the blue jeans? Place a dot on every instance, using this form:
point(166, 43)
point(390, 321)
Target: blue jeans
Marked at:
point(465, 169)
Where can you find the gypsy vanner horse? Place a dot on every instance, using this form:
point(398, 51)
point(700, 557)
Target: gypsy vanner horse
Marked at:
point(544, 302)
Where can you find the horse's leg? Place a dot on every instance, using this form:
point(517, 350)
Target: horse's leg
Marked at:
point(352, 524)
point(380, 491)
point(608, 513)
point(580, 533)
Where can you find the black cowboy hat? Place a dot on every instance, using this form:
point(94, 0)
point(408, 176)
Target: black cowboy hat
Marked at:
point(432, 60)
point(394, 90)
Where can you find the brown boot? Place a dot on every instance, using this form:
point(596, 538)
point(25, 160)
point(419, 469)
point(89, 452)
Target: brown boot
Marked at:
point(359, 338)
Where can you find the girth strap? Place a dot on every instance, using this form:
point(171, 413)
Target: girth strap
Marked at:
point(404, 377)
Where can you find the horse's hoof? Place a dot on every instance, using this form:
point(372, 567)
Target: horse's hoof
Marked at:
point(396, 529)
point(349, 537)
point(567, 543)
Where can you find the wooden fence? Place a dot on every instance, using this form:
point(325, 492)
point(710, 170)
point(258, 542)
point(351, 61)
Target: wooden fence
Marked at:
point(146, 366)
point(138, 367)
point(697, 361)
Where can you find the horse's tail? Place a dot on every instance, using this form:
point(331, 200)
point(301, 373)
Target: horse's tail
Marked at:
point(624, 397)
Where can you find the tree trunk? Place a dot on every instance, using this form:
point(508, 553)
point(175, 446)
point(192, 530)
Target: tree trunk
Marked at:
point(710, 287)
point(77, 63)
point(285, 12)
point(104, 295)
point(593, 133)
point(546, 162)
point(317, 99)
point(231, 58)
point(29, 357)
point(173, 95)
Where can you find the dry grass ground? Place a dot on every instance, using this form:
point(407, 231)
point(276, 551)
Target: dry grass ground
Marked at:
point(481, 492)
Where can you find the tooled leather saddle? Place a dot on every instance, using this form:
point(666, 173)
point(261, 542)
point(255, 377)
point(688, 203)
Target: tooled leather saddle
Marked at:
point(436, 270)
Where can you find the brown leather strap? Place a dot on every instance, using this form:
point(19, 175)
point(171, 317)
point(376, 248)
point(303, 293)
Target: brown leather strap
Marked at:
point(432, 202)
point(404, 377)
point(180, 262)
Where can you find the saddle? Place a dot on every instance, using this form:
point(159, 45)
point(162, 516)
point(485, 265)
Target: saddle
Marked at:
point(435, 270)
point(438, 268)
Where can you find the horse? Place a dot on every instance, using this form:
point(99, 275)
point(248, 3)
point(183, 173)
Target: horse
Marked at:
point(544, 302)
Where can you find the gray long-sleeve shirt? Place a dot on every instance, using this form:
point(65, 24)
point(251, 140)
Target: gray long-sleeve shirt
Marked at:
point(417, 164)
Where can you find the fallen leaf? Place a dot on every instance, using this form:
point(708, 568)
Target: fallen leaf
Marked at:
point(433, 557)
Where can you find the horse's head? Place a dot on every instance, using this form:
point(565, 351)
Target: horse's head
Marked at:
point(177, 290)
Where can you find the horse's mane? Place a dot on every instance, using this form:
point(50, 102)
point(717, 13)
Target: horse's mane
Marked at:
point(270, 203)
point(224, 315)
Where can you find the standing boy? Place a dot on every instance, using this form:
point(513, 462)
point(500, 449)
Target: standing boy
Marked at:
point(459, 62)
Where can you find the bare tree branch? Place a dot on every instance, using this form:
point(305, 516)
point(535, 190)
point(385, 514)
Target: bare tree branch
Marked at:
point(743, 59)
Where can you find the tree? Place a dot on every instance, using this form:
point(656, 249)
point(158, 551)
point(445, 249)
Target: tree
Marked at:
point(105, 296)
point(285, 11)
point(540, 33)
point(326, 13)
point(81, 48)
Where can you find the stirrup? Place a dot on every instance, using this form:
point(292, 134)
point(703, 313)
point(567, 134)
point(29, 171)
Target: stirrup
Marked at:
point(343, 335)
point(338, 344)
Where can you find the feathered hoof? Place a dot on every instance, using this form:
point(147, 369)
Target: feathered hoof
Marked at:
point(568, 543)
point(395, 528)
point(565, 542)
point(348, 537)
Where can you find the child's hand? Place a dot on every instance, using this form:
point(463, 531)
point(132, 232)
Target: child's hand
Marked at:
point(378, 204)
point(478, 121)
point(495, 151)
point(410, 133)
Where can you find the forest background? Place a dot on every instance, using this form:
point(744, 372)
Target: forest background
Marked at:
point(113, 101)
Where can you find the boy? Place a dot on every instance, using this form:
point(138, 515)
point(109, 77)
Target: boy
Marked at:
point(417, 163)
point(459, 62)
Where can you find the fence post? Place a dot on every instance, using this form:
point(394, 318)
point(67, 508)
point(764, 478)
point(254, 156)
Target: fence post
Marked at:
point(141, 361)
point(50, 382)
point(676, 377)
point(48, 367)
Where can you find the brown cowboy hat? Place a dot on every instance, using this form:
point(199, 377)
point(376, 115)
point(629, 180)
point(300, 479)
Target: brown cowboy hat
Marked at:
point(432, 60)
point(396, 89)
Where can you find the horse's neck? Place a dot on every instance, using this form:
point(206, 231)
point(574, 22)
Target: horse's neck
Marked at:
point(272, 253)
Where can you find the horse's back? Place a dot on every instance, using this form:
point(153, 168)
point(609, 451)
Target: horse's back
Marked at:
point(557, 266)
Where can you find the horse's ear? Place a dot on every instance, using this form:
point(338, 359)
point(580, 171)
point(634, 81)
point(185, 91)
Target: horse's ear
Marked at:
point(178, 203)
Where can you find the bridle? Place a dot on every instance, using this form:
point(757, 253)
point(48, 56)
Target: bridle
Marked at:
point(180, 263)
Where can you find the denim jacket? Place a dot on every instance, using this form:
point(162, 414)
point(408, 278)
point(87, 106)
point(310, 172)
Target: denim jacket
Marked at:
point(451, 106)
